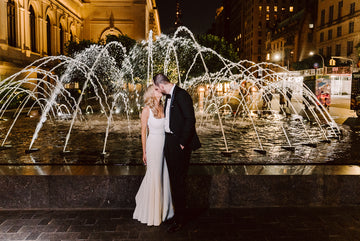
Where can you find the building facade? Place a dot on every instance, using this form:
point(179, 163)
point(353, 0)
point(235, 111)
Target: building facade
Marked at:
point(338, 29)
point(245, 23)
point(31, 29)
point(293, 39)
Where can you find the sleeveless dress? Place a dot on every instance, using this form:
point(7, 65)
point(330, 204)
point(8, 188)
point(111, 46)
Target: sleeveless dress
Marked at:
point(153, 199)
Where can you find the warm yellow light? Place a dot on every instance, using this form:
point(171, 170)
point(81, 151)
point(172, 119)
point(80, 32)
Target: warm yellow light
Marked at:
point(202, 89)
point(291, 9)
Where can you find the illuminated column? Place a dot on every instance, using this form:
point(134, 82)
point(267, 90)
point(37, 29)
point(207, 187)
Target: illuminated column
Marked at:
point(21, 28)
point(3, 20)
point(26, 29)
point(42, 36)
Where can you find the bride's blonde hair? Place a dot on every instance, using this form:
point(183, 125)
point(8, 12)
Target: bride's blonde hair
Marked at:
point(151, 101)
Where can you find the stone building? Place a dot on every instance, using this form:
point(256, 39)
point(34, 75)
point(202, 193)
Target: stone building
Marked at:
point(31, 29)
point(292, 39)
point(338, 28)
point(245, 23)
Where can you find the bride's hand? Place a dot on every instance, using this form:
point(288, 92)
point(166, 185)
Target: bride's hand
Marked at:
point(144, 159)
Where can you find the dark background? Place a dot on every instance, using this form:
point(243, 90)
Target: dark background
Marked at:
point(197, 15)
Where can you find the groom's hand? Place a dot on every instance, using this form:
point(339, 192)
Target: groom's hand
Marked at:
point(182, 147)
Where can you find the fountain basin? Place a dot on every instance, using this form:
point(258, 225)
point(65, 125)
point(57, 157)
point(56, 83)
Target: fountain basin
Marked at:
point(101, 187)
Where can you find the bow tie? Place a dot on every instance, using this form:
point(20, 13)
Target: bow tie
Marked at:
point(168, 96)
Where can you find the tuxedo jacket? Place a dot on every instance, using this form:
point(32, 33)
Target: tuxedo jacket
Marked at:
point(182, 118)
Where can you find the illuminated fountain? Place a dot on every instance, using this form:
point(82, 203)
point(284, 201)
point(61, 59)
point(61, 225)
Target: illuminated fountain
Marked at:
point(236, 103)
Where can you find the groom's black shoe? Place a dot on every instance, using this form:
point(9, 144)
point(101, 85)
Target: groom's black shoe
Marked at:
point(174, 227)
point(169, 221)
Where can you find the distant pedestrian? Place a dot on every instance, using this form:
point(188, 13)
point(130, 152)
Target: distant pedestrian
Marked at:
point(288, 95)
point(281, 100)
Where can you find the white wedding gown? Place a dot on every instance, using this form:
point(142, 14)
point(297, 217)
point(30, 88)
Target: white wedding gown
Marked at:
point(153, 200)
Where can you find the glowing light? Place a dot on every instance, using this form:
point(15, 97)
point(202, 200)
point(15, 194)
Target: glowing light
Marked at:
point(277, 57)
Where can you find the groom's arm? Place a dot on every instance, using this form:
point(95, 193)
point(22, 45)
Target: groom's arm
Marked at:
point(187, 109)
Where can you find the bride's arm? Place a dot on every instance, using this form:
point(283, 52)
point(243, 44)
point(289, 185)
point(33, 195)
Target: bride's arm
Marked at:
point(144, 119)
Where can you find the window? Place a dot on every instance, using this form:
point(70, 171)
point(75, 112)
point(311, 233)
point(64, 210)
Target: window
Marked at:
point(322, 37)
point(48, 35)
point(62, 39)
point(330, 34)
point(259, 41)
point(321, 51)
point(267, 8)
point(71, 36)
point(291, 9)
point(322, 17)
point(11, 22)
point(267, 17)
point(338, 50)
point(259, 33)
point(351, 27)
point(352, 8)
point(260, 9)
point(350, 47)
point(275, 8)
point(328, 51)
point(331, 13)
point(339, 30)
point(32, 29)
point(340, 9)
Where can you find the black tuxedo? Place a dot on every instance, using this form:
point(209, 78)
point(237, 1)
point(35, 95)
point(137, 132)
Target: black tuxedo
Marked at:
point(182, 119)
point(182, 125)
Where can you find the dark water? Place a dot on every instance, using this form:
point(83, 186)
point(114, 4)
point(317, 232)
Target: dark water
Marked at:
point(124, 145)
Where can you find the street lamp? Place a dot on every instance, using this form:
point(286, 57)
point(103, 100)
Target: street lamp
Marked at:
point(277, 57)
point(339, 57)
point(322, 58)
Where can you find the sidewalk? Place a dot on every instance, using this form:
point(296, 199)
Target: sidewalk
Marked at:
point(215, 224)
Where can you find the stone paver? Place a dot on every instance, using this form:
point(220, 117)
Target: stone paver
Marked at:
point(278, 224)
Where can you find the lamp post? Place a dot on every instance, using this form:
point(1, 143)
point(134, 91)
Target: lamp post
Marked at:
point(322, 58)
point(339, 57)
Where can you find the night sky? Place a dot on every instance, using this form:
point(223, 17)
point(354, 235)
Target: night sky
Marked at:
point(197, 15)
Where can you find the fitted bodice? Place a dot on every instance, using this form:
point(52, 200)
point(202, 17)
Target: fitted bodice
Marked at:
point(156, 126)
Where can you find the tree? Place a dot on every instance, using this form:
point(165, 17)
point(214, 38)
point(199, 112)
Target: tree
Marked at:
point(73, 47)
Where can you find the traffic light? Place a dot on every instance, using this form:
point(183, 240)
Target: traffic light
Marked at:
point(332, 62)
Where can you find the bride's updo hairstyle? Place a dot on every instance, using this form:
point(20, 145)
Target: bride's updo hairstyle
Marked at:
point(151, 101)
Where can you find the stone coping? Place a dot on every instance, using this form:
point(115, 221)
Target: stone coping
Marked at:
point(197, 170)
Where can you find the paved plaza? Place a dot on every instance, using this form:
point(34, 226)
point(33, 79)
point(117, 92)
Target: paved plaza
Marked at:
point(341, 223)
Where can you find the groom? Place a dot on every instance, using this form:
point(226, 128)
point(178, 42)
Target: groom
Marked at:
point(180, 140)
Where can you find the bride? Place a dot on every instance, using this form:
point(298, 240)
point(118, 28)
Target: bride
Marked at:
point(153, 200)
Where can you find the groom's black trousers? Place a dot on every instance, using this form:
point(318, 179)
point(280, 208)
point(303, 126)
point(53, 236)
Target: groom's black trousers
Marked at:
point(177, 160)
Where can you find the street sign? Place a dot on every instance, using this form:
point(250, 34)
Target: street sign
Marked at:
point(316, 65)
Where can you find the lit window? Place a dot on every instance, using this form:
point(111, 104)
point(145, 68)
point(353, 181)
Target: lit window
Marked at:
point(268, 56)
point(267, 16)
point(275, 8)
point(291, 9)
point(311, 25)
point(260, 8)
point(267, 8)
point(283, 9)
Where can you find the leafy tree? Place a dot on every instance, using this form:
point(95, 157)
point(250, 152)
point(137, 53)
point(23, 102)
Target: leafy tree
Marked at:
point(73, 47)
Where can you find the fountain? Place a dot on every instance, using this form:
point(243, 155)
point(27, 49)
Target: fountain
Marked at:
point(237, 103)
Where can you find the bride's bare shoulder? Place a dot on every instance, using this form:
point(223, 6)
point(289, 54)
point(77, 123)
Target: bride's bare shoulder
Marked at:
point(145, 111)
